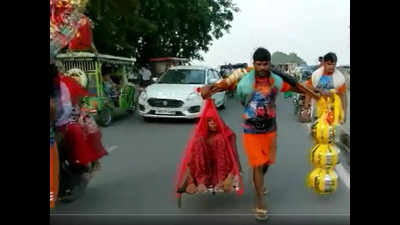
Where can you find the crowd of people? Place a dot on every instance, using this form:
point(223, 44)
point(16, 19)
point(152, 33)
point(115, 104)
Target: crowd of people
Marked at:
point(211, 161)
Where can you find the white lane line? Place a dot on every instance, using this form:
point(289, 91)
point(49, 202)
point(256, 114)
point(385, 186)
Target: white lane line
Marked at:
point(343, 174)
point(187, 214)
point(112, 148)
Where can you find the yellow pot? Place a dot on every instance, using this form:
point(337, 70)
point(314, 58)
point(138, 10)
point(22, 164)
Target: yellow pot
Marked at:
point(324, 156)
point(322, 132)
point(323, 181)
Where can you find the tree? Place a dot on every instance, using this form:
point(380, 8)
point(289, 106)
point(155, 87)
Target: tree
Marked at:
point(159, 28)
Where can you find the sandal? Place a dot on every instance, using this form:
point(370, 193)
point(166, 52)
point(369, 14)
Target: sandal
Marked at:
point(261, 214)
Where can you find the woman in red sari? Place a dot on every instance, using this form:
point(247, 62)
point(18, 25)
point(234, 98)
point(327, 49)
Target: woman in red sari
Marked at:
point(81, 136)
point(211, 161)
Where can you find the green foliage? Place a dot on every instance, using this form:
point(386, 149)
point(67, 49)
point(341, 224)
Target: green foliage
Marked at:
point(159, 28)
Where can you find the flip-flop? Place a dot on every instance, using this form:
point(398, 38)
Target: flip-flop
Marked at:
point(261, 214)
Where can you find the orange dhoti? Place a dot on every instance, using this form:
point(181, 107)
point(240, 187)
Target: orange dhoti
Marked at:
point(260, 148)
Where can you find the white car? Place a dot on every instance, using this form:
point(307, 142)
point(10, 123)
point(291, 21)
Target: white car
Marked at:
point(175, 96)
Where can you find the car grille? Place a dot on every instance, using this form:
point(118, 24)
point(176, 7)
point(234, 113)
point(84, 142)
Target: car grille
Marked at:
point(165, 103)
point(194, 109)
point(153, 112)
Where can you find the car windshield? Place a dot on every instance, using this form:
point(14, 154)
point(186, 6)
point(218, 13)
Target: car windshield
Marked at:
point(183, 76)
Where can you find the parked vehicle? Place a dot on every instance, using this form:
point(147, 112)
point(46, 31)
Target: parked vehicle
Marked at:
point(87, 69)
point(175, 94)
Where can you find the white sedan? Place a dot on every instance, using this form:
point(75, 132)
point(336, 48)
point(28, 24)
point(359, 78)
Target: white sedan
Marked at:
point(175, 95)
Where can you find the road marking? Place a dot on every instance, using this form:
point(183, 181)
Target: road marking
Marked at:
point(112, 148)
point(183, 214)
point(100, 211)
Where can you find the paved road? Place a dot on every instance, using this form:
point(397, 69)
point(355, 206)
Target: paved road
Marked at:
point(135, 183)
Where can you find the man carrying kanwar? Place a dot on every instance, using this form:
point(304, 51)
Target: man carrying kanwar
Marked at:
point(257, 91)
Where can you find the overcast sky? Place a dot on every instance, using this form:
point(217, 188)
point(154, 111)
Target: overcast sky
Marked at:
point(310, 28)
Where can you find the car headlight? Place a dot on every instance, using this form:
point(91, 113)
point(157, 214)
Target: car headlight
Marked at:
point(143, 96)
point(192, 96)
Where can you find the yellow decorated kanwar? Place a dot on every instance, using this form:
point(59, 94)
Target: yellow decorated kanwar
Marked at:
point(324, 155)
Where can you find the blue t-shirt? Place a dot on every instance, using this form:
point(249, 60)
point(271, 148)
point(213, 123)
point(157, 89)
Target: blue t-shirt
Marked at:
point(325, 83)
